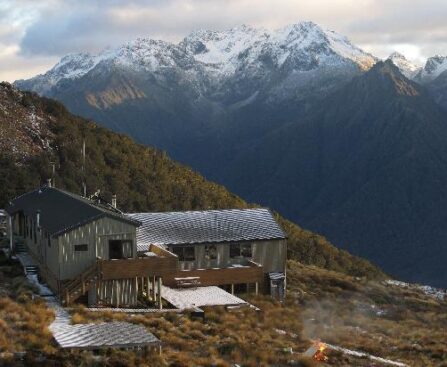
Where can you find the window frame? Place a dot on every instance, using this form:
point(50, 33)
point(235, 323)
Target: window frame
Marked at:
point(180, 251)
point(238, 250)
point(83, 246)
point(211, 253)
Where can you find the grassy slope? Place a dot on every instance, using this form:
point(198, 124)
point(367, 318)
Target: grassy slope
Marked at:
point(365, 315)
point(144, 179)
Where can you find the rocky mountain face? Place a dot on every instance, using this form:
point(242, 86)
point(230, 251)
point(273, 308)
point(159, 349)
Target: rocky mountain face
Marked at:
point(367, 171)
point(23, 135)
point(406, 67)
point(433, 75)
point(175, 96)
point(433, 68)
point(298, 119)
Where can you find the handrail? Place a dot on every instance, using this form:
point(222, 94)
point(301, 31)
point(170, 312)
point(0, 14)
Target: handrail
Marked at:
point(160, 251)
point(76, 282)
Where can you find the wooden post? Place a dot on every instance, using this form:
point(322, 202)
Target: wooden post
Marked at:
point(11, 237)
point(232, 289)
point(256, 288)
point(160, 304)
point(117, 294)
point(153, 289)
point(148, 288)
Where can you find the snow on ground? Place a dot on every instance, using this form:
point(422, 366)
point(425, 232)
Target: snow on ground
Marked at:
point(365, 355)
point(439, 294)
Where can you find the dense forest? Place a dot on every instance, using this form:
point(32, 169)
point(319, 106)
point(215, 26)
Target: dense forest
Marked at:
point(144, 179)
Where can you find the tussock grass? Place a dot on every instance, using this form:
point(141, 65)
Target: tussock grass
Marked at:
point(356, 313)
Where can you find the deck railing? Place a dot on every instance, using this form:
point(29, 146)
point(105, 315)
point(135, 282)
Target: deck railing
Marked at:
point(252, 273)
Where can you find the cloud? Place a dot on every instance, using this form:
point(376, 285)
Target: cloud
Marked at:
point(48, 29)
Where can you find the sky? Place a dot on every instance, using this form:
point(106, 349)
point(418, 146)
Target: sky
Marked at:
point(35, 34)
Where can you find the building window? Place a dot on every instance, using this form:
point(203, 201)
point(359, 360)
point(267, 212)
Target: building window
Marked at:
point(120, 249)
point(184, 253)
point(211, 252)
point(238, 250)
point(78, 248)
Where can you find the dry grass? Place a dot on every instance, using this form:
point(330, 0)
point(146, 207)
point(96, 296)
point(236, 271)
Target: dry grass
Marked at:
point(245, 337)
point(23, 320)
point(387, 321)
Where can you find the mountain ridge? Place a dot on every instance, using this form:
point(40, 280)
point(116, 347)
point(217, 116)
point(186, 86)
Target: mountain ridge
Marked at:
point(374, 170)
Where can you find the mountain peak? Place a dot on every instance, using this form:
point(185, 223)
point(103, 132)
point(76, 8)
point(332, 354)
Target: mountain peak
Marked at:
point(406, 67)
point(433, 68)
point(389, 78)
point(397, 56)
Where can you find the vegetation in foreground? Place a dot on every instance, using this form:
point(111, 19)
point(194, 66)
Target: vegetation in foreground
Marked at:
point(371, 316)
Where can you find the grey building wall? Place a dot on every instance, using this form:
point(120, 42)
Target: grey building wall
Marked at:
point(271, 254)
point(96, 235)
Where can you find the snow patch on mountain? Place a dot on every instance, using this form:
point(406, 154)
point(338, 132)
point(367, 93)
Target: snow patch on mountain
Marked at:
point(434, 67)
point(221, 54)
point(406, 67)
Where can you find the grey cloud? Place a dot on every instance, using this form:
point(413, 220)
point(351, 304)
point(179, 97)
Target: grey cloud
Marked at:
point(49, 28)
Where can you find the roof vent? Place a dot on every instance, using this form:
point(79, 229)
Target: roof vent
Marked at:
point(114, 201)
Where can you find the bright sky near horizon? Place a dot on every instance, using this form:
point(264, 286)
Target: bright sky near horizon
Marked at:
point(34, 34)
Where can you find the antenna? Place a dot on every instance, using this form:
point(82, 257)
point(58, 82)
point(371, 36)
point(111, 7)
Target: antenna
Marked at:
point(84, 186)
point(53, 172)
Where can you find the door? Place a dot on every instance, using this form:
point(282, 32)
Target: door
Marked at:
point(115, 249)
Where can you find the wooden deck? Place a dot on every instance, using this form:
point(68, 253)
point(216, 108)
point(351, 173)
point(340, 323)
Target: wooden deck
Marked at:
point(252, 273)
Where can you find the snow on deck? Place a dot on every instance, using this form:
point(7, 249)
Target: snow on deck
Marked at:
point(187, 298)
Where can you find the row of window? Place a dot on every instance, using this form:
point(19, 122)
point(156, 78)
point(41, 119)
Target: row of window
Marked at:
point(237, 250)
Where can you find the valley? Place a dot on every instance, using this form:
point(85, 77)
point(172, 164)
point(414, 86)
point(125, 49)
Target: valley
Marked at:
point(366, 171)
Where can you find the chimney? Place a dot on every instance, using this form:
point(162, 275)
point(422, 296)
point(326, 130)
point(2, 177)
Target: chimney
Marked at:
point(114, 200)
point(49, 182)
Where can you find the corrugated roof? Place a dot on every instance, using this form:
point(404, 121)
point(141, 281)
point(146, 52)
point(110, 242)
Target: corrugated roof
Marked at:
point(61, 211)
point(105, 335)
point(190, 227)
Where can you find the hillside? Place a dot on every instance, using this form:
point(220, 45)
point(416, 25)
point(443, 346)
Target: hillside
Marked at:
point(368, 171)
point(144, 179)
point(390, 320)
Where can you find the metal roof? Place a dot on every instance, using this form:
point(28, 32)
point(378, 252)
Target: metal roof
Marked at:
point(105, 335)
point(61, 211)
point(209, 226)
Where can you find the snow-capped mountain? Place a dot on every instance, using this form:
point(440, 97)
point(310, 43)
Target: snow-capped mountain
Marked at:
point(434, 67)
point(218, 55)
point(406, 67)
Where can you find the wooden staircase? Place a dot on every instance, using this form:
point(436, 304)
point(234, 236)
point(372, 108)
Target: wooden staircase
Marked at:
point(81, 284)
